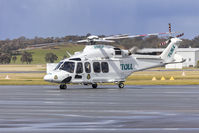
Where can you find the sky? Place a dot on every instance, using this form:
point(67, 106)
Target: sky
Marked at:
point(58, 18)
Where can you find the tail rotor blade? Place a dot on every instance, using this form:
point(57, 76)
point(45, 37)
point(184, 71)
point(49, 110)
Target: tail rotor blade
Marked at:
point(180, 35)
point(169, 27)
point(164, 43)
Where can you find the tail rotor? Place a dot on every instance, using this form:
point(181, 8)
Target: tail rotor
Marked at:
point(170, 36)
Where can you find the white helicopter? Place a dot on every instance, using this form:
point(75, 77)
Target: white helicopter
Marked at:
point(108, 64)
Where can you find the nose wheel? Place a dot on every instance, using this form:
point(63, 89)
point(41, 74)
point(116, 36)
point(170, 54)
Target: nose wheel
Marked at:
point(121, 85)
point(94, 85)
point(63, 86)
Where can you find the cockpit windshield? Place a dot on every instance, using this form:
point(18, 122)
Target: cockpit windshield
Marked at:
point(58, 65)
point(68, 66)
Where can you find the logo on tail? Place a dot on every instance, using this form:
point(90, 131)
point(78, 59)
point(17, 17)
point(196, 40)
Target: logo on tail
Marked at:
point(171, 50)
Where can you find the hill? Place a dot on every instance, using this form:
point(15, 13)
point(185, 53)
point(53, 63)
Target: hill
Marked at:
point(59, 50)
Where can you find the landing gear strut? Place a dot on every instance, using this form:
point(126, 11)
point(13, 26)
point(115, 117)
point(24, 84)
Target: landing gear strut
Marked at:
point(121, 85)
point(94, 85)
point(63, 86)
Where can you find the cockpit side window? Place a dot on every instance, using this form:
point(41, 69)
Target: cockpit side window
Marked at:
point(58, 65)
point(68, 66)
point(87, 66)
point(79, 68)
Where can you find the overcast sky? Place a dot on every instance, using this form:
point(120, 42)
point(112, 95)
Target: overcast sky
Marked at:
point(58, 18)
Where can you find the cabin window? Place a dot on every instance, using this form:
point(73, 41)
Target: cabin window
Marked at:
point(118, 51)
point(79, 68)
point(104, 66)
point(87, 66)
point(76, 59)
point(68, 66)
point(96, 67)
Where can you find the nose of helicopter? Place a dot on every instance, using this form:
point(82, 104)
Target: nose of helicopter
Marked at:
point(57, 77)
point(48, 78)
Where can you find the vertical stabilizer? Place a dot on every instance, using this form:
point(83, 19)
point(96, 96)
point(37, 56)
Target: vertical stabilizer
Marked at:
point(169, 52)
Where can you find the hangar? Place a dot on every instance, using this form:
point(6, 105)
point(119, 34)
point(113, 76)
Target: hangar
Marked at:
point(190, 54)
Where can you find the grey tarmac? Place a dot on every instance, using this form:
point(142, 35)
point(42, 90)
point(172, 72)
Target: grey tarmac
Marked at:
point(81, 109)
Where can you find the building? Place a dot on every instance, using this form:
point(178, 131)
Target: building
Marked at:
point(191, 55)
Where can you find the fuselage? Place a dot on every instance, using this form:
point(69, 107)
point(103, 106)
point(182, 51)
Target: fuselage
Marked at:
point(100, 64)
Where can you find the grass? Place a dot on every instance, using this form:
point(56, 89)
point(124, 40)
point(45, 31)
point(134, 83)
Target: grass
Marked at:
point(59, 50)
point(23, 79)
point(138, 78)
point(145, 78)
point(19, 67)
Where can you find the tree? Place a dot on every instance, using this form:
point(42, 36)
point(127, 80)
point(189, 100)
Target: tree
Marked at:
point(5, 58)
point(14, 58)
point(50, 57)
point(64, 57)
point(26, 57)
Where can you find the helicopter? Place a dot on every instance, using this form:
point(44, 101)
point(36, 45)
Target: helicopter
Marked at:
point(99, 63)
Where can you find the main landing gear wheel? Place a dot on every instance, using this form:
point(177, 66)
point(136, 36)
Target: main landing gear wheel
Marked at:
point(63, 86)
point(94, 85)
point(121, 85)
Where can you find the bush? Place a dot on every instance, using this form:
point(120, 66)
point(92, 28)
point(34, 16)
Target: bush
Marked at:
point(50, 57)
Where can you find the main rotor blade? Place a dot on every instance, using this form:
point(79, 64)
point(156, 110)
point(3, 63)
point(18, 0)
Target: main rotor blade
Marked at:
point(82, 41)
point(102, 40)
point(68, 53)
point(152, 34)
point(114, 37)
